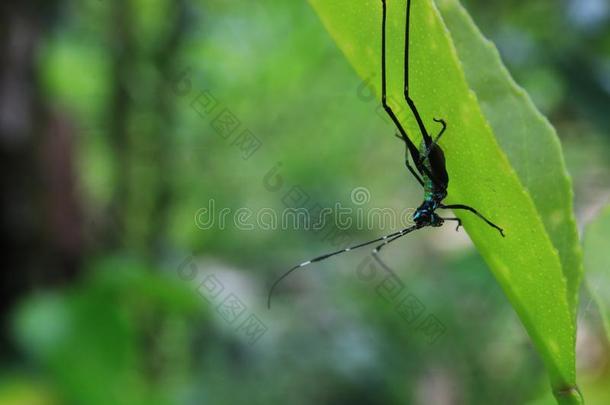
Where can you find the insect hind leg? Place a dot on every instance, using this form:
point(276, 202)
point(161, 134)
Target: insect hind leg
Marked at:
point(415, 155)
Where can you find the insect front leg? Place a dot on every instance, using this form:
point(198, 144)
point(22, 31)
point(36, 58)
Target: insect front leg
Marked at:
point(444, 124)
point(475, 212)
point(435, 142)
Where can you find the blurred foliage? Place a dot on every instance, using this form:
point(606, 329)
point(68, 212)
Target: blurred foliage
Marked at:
point(121, 337)
point(110, 316)
point(597, 259)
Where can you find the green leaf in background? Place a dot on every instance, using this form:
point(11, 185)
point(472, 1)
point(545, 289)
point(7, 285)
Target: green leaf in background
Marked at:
point(597, 263)
point(539, 282)
point(17, 390)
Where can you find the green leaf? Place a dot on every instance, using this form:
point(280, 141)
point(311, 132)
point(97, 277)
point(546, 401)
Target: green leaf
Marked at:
point(491, 166)
point(597, 263)
point(526, 137)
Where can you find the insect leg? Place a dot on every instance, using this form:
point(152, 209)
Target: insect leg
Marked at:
point(417, 159)
point(415, 155)
point(444, 124)
point(426, 137)
point(326, 256)
point(413, 172)
point(442, 121)
point(467, 208)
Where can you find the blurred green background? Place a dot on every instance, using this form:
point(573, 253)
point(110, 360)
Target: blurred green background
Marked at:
point(121, 120)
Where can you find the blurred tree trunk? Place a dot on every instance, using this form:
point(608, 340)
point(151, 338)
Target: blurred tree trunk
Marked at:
point(165, 153)
point(39, 209)
point(143, 153)
point(123, 57)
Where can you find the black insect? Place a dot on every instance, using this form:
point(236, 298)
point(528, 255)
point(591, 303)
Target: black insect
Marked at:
point(429, 160)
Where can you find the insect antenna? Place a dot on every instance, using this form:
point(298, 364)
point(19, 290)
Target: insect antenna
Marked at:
point(376, 251)
point(326, 256)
